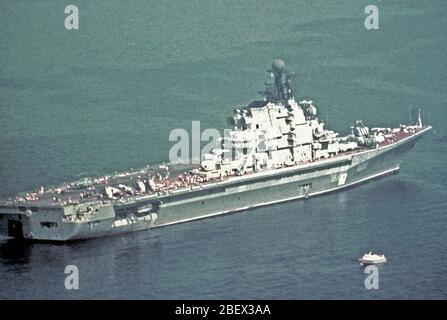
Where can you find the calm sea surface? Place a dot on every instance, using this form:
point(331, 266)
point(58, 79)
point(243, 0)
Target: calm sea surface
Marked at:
point(105, 97)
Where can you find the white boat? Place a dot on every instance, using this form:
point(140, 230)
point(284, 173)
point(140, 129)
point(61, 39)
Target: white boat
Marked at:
point(370, 258)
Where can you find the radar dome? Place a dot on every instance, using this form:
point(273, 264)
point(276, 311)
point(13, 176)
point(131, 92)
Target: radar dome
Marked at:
point(278, 64)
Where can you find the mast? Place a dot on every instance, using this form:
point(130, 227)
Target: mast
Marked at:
point(281, 89)
point(419, 122)
point(278, 70)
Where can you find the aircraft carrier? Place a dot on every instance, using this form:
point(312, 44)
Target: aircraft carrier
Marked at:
point(277, 150)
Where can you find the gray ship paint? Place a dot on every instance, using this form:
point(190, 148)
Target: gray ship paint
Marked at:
point(280, 151)
point(82, 101)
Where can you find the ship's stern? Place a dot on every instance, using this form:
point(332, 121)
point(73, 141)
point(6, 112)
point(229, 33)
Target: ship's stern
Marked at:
point(30, 222)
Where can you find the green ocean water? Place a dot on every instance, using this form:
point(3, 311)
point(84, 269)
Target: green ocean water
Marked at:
point(105, 98)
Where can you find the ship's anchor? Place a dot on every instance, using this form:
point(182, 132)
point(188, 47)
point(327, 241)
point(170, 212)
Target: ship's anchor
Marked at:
point(306, 191)
point(154, 217)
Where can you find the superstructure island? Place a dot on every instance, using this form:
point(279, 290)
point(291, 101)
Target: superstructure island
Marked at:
point(277, 150)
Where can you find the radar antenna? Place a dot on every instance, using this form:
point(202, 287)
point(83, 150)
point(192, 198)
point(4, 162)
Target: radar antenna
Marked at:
point(283, 85)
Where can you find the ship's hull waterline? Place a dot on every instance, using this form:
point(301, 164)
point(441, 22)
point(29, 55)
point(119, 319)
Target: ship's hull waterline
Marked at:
point(237, 194)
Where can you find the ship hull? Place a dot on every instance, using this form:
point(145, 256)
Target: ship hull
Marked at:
point(240, 194)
